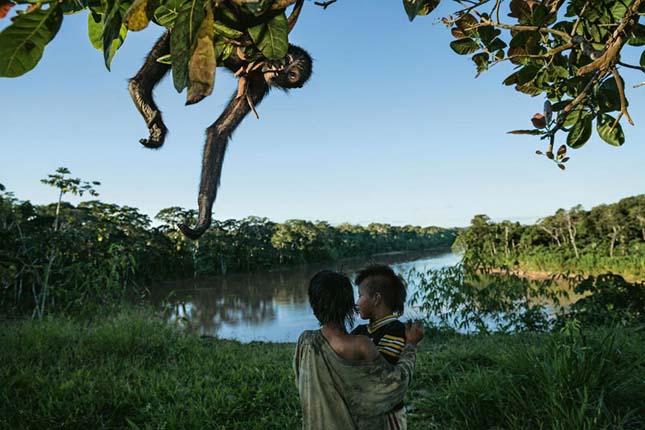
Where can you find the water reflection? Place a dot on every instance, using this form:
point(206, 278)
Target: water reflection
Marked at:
point(269, 306)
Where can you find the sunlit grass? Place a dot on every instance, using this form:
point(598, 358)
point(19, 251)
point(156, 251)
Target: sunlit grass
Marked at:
point(132, 371)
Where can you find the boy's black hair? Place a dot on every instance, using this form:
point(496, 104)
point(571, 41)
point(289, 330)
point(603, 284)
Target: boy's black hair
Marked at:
point(384, 281)
point(331, 296)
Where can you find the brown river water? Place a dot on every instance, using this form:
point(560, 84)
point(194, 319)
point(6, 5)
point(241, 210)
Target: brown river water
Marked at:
point(270, 305)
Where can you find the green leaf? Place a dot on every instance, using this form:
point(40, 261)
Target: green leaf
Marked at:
point(608, 96)
point(272, 38)
point(190, 16)
point(572, 117)
point(165, 59)
point(638, 36)
point(223, 49)
point(22, 43)
point(464, 46)
point(643, 59)
point(481, 60)
point(527, 74)
point(166, 14)
point(496, 45)
point(114, 33)
point(412, 7)
point(257, 7)
point(487, 34)
point(427, 6)
point(615, 136)
point(580, 132)
point(226, 31)
point(95, 31)
point(73, 6)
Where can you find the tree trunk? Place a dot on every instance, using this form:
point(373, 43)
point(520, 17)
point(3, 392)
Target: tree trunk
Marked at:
point(553, 234)
point(613, 241)
point(60, 198)
point(641, 221)
point(572, 235)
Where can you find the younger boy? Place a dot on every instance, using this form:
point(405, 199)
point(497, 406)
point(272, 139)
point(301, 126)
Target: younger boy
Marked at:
point(381, 300)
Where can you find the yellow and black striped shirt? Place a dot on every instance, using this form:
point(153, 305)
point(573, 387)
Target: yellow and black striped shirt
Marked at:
point(388, 334)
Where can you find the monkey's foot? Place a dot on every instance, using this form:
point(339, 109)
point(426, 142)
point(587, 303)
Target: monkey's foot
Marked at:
point(157, 131)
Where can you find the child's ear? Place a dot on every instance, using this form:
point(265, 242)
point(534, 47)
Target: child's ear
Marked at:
point(377, 299)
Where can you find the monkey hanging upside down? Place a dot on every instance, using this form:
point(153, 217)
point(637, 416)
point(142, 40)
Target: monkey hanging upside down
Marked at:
point(292, 71)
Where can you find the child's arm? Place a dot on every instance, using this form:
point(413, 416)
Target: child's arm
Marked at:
point(391, 345)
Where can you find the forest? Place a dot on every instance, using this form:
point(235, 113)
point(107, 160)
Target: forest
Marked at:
point(65, 258)
point(606, 238)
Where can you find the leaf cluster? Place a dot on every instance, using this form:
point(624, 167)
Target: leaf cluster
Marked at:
point(570, 52)
point(204, 33)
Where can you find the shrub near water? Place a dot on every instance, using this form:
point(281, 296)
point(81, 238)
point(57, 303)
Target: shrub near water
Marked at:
point(134, 372)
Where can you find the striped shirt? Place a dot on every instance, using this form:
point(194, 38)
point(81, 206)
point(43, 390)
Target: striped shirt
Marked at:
point(388, 334)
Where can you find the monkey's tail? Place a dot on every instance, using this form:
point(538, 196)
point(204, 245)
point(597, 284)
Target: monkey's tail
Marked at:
point(217, 137)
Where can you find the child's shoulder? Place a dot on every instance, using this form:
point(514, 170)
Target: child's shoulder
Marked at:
point(395, 329)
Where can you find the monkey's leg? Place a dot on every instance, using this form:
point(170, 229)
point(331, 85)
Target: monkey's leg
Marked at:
point(217, 137)
point(141, 87)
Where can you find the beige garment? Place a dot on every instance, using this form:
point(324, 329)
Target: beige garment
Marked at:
point(338, 394)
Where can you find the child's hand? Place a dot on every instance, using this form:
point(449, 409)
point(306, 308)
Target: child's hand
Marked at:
point(413, 332)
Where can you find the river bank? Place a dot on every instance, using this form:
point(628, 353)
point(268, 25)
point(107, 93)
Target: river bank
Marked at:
point(540, 275)
point(135, 371)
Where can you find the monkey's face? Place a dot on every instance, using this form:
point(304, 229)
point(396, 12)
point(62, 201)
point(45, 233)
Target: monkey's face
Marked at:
point(292, 71)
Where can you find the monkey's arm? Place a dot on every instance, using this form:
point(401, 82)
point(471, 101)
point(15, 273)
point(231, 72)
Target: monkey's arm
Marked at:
point(217, 137)
point(141, 86)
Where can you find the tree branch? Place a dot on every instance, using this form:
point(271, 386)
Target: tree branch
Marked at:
point(623, 100)
point(608, 59)
point(295, 13)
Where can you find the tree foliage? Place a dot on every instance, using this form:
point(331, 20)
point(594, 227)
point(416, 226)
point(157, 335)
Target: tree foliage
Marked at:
point(572, 52)
point(609, 237)
point(64, 258)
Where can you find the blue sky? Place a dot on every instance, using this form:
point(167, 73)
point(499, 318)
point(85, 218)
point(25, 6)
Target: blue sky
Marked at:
point(393, 127)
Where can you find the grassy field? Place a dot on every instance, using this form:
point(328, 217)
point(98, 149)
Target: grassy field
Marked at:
point(134, 372)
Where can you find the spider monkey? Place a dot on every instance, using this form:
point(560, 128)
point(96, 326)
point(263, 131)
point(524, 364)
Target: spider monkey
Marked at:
point(292, 71)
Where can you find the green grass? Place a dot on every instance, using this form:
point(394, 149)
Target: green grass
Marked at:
point(132, 371)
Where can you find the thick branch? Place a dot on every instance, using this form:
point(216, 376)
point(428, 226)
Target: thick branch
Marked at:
point(544, 30)
point(295, 13)
point(614, 45)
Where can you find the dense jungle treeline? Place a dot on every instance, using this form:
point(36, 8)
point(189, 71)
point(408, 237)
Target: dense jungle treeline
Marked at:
point(61, 257)
point(607, 238)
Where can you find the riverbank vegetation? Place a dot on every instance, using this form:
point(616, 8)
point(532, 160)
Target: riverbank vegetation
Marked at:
point(607, 238)
point(133, 371)
point(77, 259)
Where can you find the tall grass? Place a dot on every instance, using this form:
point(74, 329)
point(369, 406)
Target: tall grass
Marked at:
point(572, 380)
point(134, 372)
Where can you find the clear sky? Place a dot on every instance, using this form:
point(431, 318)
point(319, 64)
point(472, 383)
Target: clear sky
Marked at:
point(393, 127)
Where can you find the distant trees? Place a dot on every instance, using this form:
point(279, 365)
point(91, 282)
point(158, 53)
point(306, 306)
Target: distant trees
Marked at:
point(607, 237)
point(77, 258)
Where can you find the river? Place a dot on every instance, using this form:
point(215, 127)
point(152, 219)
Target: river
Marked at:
point(269, 305)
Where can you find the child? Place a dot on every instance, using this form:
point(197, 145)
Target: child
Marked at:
point(381, 299)
point(342, 382)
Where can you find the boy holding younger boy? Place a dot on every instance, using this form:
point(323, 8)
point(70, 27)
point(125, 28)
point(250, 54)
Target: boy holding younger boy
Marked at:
point(381, 300)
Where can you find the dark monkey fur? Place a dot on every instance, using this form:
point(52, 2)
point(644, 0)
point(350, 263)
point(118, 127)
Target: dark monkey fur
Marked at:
point(291, 72)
